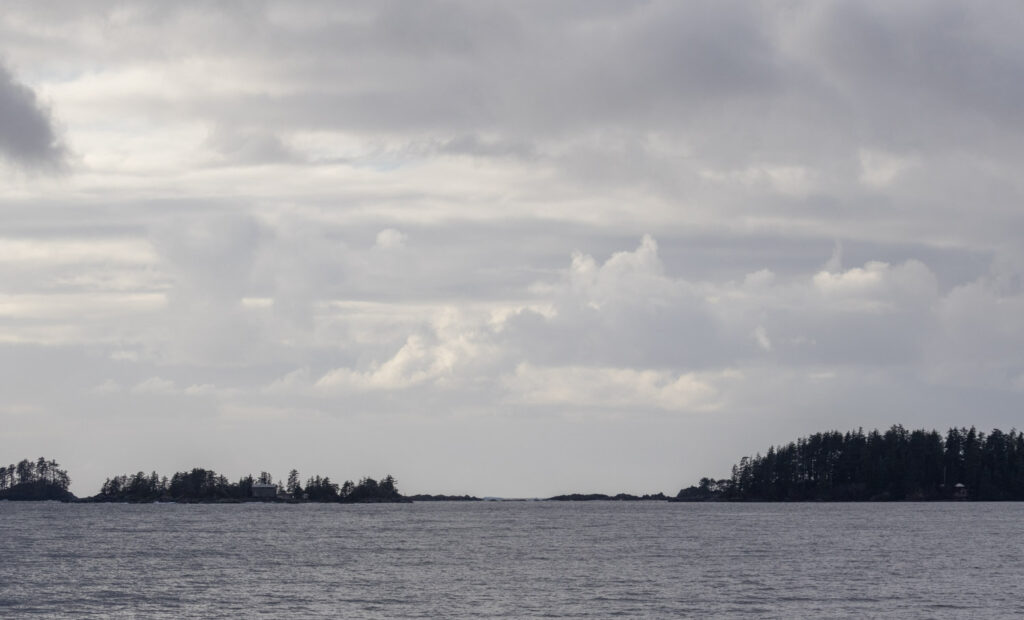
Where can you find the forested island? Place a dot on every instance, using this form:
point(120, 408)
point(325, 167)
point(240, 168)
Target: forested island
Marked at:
point(895, 465)
point(601, 497)
point(44, 480)
point(204, 485)
point(35, 480)
point(423, 497)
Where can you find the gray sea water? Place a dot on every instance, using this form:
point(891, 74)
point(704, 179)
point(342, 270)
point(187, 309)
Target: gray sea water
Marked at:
point(512, 559)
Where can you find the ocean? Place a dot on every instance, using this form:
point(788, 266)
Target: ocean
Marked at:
point(512, 560)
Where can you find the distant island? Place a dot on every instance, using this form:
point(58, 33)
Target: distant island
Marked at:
point(444, 498)
point(897, 465)
point(204, 485)
point(621, 497)
point(38, 480)
point(44, 480)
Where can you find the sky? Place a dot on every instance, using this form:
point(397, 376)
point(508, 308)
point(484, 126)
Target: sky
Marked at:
point(508, 248)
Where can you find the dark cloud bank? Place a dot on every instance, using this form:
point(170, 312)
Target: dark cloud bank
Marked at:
point(27, 135)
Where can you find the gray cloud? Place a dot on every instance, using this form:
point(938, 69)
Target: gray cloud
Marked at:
point(235, 146)
point(27, 135)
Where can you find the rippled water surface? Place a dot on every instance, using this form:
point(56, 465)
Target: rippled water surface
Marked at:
point(512, 559)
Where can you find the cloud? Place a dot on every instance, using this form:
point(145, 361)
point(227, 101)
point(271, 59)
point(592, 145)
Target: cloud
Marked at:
point(95, 251)
point(629, 312)
point(613, 388)
point(878, 286)
point(454, 350)
point(27, 135)
point(293, 382)
point(880, 169)
point(390, 239)
point(411, 365)
point(107, 387)
point(154, 385)
point(979, 336)
point(625, 311)
point(210, 261)
point(203, 389)
point(761, 336)
point(235, 146)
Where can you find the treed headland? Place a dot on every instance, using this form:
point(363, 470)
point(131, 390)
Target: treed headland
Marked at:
point(895, 465)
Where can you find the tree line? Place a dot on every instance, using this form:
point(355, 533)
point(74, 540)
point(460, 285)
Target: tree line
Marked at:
point(207, 485)
point(39, 479)
point(895, 465)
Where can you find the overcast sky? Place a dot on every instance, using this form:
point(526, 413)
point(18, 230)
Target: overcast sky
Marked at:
point(510, 249)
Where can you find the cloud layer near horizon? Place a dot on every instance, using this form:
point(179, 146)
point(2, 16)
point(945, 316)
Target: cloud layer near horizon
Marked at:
point(506, 249)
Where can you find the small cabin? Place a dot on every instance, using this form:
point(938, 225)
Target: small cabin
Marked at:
point(264, 491)
point(959, 491)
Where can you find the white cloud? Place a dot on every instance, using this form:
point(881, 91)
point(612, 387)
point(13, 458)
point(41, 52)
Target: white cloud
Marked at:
point(625, 278)
point(257, 302)
point(616, 388)
point(411, 365)
point(979, 336)
point(154, 386)
point(439, 360)
point(761, 336)
point(200, 389)
point(788, 180)
point(107, 387)
point(389, 239)
point(291, 383)
point(880, 169)
point(878, 286)
point(57, 251)
point(82, 306)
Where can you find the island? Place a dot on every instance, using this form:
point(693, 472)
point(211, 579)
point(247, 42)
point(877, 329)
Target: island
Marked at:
point(620, 497)
point(423, 497)
point(205, 485)
point(897, 465)
point(43, 479)
point(38, 480)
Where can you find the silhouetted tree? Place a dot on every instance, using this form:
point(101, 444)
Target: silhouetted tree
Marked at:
point(294, 487)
